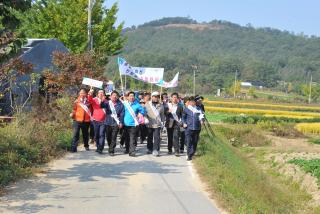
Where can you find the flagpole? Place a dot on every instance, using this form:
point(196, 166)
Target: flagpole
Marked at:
point(125, 82)
point(151, 87)
point(121, 83)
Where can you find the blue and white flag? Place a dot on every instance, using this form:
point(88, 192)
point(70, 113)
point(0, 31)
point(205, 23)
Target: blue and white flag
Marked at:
point(172, 84)
point(149, 75)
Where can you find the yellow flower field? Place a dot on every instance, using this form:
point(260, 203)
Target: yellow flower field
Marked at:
point(261, 112)
point(312, 128)
point(261, 105)
point(289, 116)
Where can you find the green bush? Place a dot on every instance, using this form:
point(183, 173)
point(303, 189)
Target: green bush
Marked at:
point(253, 119)
point(34, 138)
point(309, 166)
point(243, 135)
point(280, 129)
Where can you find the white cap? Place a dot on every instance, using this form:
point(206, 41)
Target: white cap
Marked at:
point(155, 93)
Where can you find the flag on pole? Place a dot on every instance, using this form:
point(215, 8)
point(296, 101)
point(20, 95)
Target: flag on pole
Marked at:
point(172, 84)
point(149, 75)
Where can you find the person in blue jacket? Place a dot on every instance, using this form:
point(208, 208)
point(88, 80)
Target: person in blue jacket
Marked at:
point(192, 119)
point(114, 119)
point(132, 112)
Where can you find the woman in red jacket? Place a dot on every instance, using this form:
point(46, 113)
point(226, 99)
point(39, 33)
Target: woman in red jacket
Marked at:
point(98, 118)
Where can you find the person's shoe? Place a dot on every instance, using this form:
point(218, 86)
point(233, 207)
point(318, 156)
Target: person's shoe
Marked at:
point(156, 153)
point(149, 152)
point(73, 151)
point(87, 148)
point(126, 152)
point(100, 152)
point(189, 158)
point(169, 152)
point(111, 154)
point(121, 146)
point(132, 155)
point(181, 151)
point(176, 154)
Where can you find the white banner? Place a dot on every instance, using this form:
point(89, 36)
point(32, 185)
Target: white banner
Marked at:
point(92, 82)
point(149, 75)
point(172, 84)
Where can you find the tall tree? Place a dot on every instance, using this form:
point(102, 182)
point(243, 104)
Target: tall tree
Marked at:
point(10, 41)
point(66, 20)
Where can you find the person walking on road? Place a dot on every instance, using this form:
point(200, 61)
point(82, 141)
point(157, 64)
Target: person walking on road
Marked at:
point(155, 115)
point(98, 118)
point(192, 119)
point(133, 111)
point(173, 123)
point(114, 120)
point(183, 103)
point(81, 115)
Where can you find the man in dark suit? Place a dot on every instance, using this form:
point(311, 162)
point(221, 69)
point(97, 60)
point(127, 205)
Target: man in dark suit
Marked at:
point(173, 123)
point(192, 119)
point(114, 119)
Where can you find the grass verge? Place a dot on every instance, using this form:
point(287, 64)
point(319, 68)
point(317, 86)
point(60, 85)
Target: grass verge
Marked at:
point(241, 186)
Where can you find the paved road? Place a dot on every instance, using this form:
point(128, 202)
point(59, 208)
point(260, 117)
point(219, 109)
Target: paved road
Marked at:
point(86, 182)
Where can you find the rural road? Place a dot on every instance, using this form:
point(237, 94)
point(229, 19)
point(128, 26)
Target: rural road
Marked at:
point(86, 182)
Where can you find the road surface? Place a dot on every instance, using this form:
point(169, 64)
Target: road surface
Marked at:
point(86, 182)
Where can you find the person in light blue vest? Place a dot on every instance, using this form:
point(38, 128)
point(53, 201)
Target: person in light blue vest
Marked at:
point(132, 112)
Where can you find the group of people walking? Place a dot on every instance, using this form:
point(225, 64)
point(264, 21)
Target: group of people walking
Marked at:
point(133, 116)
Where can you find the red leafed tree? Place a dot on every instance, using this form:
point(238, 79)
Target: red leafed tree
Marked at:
point(70, 70)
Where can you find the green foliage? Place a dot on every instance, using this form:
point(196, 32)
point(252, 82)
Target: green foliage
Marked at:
point(243, 135)
point(281, 129)
point(254, 119)
point(33, 139)
point(8, 12)
point(219, 49)
point(315, 141)
point(169, 20)
point(10, 41)
point(67, 21)
point(216, 117)
point(242, 187)
point(107, 38)
point(252, 91)
point(309, 166)
point(315, 91)
point(235, 89)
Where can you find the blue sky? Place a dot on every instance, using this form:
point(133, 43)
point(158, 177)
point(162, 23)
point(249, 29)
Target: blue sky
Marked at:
point(293, 15)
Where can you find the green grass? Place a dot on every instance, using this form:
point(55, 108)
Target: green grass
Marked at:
point(268, 97)
point(240, 186)
point(217, 117)
point(309, 166)
point(315, 141)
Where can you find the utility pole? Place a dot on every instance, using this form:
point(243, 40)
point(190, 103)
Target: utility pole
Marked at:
point(235, 83)
point(194, 79)
point(90, 43)
point(310, 88)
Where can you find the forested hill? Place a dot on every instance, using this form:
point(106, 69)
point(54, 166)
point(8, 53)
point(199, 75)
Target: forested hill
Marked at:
point(219, 48)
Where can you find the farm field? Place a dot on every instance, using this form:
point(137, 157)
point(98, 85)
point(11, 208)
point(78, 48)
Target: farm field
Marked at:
point(282, 139)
